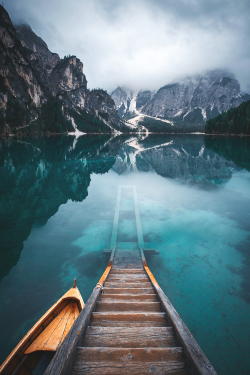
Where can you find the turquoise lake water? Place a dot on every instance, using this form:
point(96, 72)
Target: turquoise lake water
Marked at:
point(57, 200)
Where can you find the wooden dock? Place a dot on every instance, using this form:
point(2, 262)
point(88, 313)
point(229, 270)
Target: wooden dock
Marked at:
point(128, 325)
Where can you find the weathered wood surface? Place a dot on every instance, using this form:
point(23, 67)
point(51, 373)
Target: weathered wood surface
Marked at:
point(96, 354)
point(135, 368)
point(108, 290)
point(117, 305)
point(129, 297)
point(129, 337)
point(131, 271)
point(129, 316)
point(128, 284)
point(150, 323)
point(128, 278)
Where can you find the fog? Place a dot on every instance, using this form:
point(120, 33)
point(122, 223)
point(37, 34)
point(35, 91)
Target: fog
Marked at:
point(145, 43)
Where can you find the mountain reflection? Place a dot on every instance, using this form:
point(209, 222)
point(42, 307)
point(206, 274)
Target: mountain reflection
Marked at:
point(38, 175)
point(180, 157)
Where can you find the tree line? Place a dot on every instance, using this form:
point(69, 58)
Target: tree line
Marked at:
point(234, 121)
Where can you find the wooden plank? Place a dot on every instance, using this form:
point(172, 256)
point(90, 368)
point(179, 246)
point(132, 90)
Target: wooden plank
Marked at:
point(129, 337)
point(128, 266)
point(116, 305)
point(135, 368)
point(108, 290)
point(128, 341)
point(105, 323)
point(129, 354)
point(127, 285)
point(128, 278)
point(129, 297)
point(132, 271)
point(117, 330)
point(56, 331)
point(129, 317)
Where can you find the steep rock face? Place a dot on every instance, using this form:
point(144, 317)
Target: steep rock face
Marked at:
point(101, 103)
point(68, 75)
point(196, 99)
point(31, 75)
point(41, 58)
point(129, 102)
point(19, 84)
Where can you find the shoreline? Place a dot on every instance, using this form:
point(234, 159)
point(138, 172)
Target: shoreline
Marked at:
point(115, 134)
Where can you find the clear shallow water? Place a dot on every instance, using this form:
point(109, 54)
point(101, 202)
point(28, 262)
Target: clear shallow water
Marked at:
point(57, 200)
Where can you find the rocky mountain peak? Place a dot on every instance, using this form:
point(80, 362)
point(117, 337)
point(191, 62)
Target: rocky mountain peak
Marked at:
point(30, 40)
point(41, 92)
point(68, 75)
point(191, 100)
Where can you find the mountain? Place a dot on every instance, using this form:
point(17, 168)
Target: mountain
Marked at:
point(193, 100)
point(129, 102)
point(234, 121)
point(39, 92)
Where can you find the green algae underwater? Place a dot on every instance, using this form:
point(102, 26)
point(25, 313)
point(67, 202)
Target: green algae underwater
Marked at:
point(57, 199)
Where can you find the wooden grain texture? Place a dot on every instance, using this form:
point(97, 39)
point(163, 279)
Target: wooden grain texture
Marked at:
point(128, 277)
point(135, 368)
point(115, 323)
point(108, 290)
point(128, 284)
point(116, 305)
point(131, 271)
point(129, 354)
point(128, 316)
point(136, 337)
point(129, 297)
point(56, 331)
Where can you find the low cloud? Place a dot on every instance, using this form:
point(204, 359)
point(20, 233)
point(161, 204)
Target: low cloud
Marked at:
point(143, 43)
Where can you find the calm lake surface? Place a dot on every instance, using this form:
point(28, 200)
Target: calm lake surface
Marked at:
point(57, 199)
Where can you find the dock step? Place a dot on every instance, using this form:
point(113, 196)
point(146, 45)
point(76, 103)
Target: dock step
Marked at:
point(140, 291)
point(101, 360)
point(124, 337)
point(129, 297)
point(127, 284)
point(127, 271)
point(123, 368)
point(116, 305)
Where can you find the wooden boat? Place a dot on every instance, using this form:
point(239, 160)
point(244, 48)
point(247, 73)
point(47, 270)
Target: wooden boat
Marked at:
point(34, 352)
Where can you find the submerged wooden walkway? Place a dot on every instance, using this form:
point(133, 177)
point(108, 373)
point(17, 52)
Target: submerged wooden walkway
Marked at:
point(128, 325)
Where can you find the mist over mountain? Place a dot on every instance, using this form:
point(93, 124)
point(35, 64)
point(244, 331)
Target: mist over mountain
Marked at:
point(194, 99)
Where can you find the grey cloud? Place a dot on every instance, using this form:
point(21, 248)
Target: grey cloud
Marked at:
point(143, 43)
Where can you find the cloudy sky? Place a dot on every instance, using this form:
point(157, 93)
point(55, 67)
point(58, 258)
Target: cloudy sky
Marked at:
point(143, 43)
